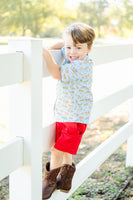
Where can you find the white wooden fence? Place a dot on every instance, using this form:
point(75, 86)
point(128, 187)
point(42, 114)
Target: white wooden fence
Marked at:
point(21, 158)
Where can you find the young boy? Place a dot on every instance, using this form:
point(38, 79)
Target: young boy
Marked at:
point(73, 104)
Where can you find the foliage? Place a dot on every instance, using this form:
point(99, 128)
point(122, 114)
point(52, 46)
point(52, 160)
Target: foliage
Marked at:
point(94, 13)
point(33, 17)
point(41, 18)
point(107, 181)
point(121, 18)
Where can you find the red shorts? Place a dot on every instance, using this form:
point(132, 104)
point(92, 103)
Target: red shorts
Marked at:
point(68, 136)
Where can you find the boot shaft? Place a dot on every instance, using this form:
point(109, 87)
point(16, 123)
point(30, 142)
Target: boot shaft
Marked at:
point(49, 182)
point(64, 178)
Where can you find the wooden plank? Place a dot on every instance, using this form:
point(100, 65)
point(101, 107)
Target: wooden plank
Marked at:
point(129, 155)
point(106, 103)
point(102, 54)
point(26, 121)
point(91, 162)
point(11, 68)
point(12, 65)
point(11, 156)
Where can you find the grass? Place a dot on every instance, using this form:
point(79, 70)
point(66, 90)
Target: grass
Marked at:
point(106, 182)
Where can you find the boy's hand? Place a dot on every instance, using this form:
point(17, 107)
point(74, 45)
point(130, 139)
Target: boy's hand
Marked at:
point(57, 45)
point(53, 68)
point(45, 50)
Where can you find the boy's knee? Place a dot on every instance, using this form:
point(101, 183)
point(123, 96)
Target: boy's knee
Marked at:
point(56, 152)
point(67, 154)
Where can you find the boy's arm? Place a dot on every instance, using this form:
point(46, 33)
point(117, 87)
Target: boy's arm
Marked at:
point(57, 45)
point(53, 68)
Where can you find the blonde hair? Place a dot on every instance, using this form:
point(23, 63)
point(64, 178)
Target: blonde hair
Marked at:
point(81, 33)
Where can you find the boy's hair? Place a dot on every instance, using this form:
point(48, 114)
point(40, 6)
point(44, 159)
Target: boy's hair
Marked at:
point(81, 33)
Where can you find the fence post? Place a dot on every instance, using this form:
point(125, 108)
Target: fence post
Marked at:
point(26, 120)
point(129, 156)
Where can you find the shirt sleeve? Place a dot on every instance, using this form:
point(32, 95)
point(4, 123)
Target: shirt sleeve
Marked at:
point(63, 51)
point(64, 56)
point(77, 70)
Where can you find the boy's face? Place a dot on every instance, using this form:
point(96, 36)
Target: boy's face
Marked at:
point(75, 52)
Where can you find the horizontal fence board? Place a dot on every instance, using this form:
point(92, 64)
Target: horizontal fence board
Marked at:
point(100, 107)
point(11, 68)
point(11, 65)
point(102, 54)
point(106, 103)
point(11, 156)
point(91, 162)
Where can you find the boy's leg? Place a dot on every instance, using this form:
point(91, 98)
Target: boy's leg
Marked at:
point(67, 158)
point(56, 158)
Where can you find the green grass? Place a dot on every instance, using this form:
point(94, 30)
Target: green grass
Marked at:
point(106, 182)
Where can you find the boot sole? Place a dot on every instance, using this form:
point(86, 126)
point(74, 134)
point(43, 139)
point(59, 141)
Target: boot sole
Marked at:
point(65, 191)
point(50, 195)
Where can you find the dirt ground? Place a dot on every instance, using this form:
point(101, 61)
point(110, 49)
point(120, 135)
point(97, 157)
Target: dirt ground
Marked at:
point(106, 182)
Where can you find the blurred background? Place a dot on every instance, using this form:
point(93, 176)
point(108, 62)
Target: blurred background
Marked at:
point(48, 18)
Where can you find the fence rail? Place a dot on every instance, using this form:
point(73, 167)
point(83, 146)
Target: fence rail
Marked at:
point(11, 156)
point(21, 68)
point(11, 68)
point(110, 101)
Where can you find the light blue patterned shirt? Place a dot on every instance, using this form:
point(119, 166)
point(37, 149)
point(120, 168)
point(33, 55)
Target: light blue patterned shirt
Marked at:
point(74, 97)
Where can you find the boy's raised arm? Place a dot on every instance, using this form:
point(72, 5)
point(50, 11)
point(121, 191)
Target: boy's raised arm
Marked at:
point(57, 45)
point(53, 68)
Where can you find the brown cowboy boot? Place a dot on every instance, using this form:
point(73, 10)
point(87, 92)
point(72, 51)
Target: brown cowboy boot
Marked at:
point(49, 182)
point(64, 178)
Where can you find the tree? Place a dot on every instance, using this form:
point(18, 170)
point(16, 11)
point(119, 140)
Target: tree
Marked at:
point(126, 20)
point(121, 17)
point(93, 12)
point(3, 15)
point(39, 17)
point(59, 17)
